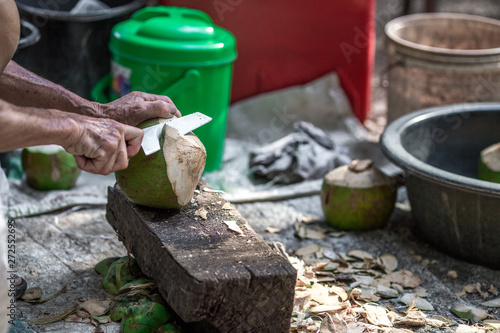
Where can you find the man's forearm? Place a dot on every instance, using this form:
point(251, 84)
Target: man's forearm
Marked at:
point(29, 126)
point(23, 88)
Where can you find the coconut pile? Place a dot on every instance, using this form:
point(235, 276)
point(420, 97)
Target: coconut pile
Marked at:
point(352, 292)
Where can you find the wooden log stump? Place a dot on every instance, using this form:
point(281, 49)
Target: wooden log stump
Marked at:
point(213, 277)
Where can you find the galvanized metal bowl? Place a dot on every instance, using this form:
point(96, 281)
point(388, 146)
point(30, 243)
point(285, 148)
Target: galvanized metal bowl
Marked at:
point(439, 149)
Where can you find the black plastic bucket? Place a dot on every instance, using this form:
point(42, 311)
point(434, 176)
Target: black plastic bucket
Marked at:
point(73, 48)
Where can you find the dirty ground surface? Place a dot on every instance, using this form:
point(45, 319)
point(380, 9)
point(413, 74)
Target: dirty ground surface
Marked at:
point(57, 250)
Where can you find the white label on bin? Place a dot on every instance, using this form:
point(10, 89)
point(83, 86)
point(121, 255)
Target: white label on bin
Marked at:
point(121, 79)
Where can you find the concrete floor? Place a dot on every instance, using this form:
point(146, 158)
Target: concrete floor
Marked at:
point(57, 250)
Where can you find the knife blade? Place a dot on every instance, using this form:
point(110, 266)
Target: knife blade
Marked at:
point(151, 140)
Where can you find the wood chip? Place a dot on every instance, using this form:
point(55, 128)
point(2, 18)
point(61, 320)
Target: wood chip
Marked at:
point(440, 321)
point(417, 302)
point(413, 318)
point(304, 232)
point(356, 327)
point(233, 226)
point(467, 329)
point(495, 324)
point(389, 262)
point(331, 266)
point(32, 294)
point(336, 234)
point(340, 292)
point(312, 233)
point(493, 290)
point(386, 292)
point(273, 230)
point(326, 279)
point(332, 324)
point(376, 315)
point(326, 308)
point(202, 212)
point(421, 292)
point(332, 255)
point(405, 278)
point(494, 303)
point(307, 250)
point(309, 219)
point(209, 190)
point(359, 254)
point(321, 294)
point(369, 295)
point(468, 312)
point(475, 288)
point(227, 206)
point(95, 307)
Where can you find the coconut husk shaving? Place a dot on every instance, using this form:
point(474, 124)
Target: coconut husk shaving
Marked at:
point(344, 293)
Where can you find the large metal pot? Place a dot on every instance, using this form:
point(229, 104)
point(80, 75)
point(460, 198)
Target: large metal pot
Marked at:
point(439, 148)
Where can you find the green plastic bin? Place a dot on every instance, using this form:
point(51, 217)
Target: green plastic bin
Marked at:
point(180, 53)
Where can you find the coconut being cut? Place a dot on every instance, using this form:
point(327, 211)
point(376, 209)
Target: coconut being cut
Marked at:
point(166, 178)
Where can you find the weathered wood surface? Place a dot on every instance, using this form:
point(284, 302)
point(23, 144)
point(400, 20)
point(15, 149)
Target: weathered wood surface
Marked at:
point(211, 276)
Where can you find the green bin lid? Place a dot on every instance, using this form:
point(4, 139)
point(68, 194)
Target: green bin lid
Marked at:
point(172, 36)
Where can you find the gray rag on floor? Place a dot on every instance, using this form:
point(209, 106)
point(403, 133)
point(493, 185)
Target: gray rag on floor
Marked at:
point(307, 153)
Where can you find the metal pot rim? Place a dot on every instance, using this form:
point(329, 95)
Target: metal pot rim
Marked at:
point(65, 16)
point(390, 143)
point(433, 53)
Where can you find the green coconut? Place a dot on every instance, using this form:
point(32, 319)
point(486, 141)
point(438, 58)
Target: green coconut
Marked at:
point(165, 179)
point(144, 316)
point(49, 167)
point(489, 164)
point(357, 196)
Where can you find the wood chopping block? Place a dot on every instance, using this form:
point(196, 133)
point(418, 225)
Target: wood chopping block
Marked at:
point(215, 278)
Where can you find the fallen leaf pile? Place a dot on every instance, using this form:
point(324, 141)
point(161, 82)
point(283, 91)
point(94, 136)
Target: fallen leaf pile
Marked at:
point(341, 292)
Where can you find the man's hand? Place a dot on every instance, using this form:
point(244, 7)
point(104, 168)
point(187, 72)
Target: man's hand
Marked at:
point(137, 106)
point(103, 145)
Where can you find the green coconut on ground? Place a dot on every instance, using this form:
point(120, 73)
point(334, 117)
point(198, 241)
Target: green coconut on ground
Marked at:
point(49, 167)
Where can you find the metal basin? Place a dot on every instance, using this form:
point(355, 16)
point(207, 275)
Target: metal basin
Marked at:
point(439, 149)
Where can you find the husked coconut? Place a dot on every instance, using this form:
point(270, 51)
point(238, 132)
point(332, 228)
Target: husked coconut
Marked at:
point(357, 196)
point(165, 179)
point(489, 165)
